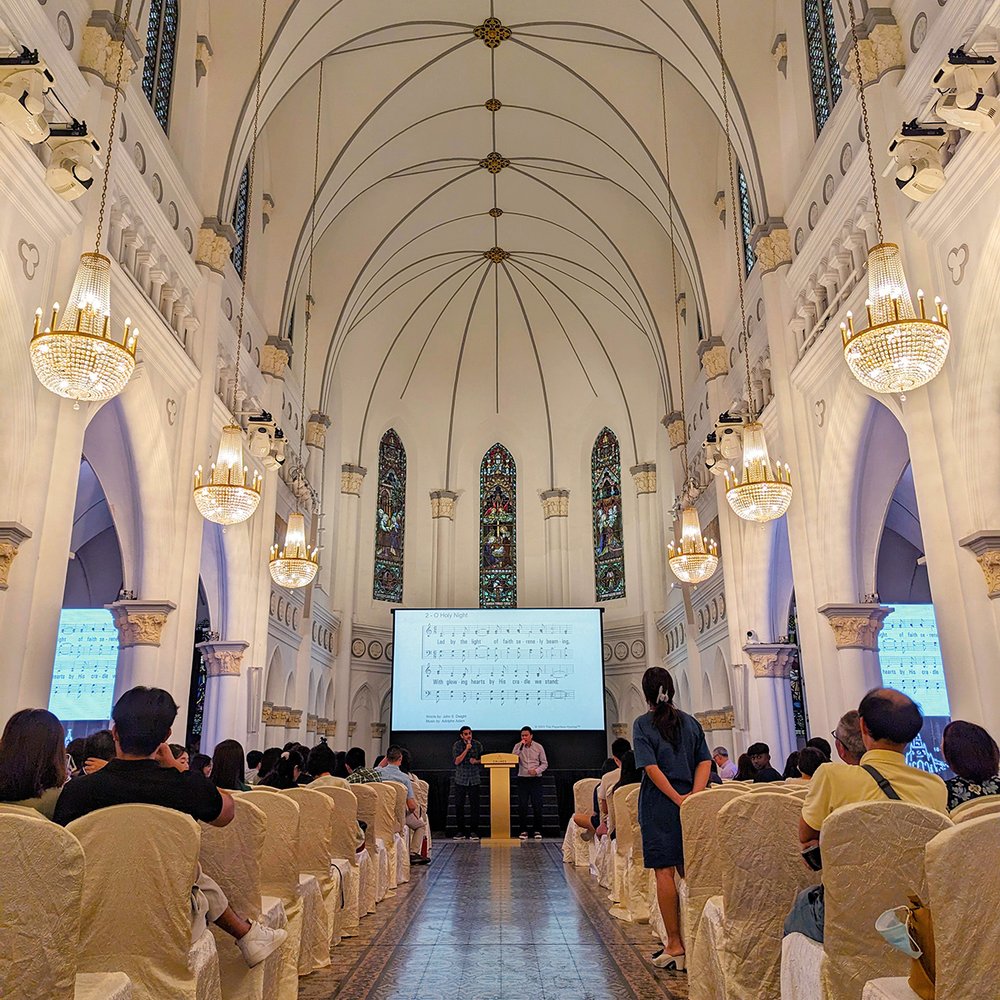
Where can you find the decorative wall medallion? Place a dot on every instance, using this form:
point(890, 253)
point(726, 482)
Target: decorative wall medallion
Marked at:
point(918, 33)
point(493, 105)
point(819, 408)
point(156, 185)
point(496, 254)
point(30, 258)
point(813, 215)
point(388, 651)
point(65, 28)
point(621, 650)
point(494, 163)
point(173, 215)
point(492, 32)
point(798, 239)
point(828, 189)
point(607, 652)
point(732, 357)
point(171, 411)
point(123, 131)
point(139, 155)
point(495, 213)
point(958, 259)
point(760, 310)
point(375, 649)
point(189, 240)
point(228, 308)
point(846, 157)
point(358, 647)
point(638, 650)
point(861, 130)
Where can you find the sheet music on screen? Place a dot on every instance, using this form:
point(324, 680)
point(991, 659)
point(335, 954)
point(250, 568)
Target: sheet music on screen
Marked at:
point(497, 669)
point(83, 675)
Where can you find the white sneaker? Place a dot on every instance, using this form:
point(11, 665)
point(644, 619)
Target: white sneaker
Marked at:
point(459, 836)
point(523, 836)
point(473, 836)
point(538, 836)
point(259, 942)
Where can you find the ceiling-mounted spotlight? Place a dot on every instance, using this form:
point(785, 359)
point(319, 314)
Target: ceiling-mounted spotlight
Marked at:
point(73, 150)
point(917, 150)
point(24, 79)
point(963, 103)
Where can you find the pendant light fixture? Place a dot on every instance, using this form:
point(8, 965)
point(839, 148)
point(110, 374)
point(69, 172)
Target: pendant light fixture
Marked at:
point(230, 495)
point(696, 558)
point(761, 491)
point(901, 348)
point(76, 356)
point(294, 565)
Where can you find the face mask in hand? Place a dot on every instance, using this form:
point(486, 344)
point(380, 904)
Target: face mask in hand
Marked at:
point(896, 932)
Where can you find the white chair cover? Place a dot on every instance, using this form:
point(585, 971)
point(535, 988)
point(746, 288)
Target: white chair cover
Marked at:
point(314, 952)
point(231, 855)
point(344, 853)
point(603, 861)
point(622, 909)
point(888, 989)
point(368, 813)
point(421, 789)
point(986, 805)
point(401, 830)
point(577, 848)
point(636, 874)
point(141, 862)
point(801, 968)
point(103, 986)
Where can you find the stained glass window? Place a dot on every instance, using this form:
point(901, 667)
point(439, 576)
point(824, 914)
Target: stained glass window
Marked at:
point(240, 213)
point(821, 49)
point(746, 218)
point(158, 66)
point(390, 519)
point(609, 549)
point(498, 529)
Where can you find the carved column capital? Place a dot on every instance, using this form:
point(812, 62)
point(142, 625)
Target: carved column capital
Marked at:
point(443, 504)
point(880, 44)
point(266, 713)
point(676, 428)
point(351, 478)
point(717, 718)
point(311, 722)
point(223, 659)
point(772, 243)
point(203, 54)
point(316, 428)
point(555, 503)
point(714, 357)
point(279, 716)
point(644, 477)
point(275, 357)
point(620, 730)
point(11, 536)
point(331, 728)
point(294, 720)
point(104, 42)
point(856, 626)
point(351, 729)
point(769, 659)
point(215, 244)
point(140, 623)
point(985, 546)
point(378, 730)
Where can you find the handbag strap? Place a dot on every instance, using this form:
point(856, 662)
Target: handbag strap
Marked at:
point(882, 782)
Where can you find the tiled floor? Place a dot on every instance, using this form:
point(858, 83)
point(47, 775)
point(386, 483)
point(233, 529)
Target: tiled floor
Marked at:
point(495, 924)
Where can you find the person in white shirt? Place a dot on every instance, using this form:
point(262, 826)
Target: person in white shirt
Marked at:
point(727, 769)
point(532, 765)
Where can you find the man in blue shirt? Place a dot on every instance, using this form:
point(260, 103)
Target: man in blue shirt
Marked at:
point(466, 753)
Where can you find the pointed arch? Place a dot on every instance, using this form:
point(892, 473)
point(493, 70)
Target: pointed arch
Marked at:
point(161, 52)
point(498, 529)
point(390, 519)
point(606, 490)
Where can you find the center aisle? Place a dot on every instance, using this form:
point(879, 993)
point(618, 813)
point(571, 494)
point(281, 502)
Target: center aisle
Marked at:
point(495, 924)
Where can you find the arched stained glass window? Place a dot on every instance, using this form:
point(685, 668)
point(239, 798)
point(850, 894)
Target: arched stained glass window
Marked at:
point(241, 211)
point(609, 549)
point(158, 66)
point(498, 529)
point(821, 49)
point(390, 519)
point(747, 220)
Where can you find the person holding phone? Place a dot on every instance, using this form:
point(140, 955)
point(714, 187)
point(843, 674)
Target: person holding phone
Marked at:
point(467, 754)
point(532, 764)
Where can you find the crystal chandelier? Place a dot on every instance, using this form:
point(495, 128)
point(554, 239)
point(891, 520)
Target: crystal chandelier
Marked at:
point(76, 356)
point(760, 491)
point(901, 348)
point(294, 565)
point(229, 495)
point(696, 558)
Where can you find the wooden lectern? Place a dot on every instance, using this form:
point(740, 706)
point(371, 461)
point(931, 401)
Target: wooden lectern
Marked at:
point(499, 765)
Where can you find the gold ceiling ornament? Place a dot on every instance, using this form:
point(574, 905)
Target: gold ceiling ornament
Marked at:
point(493, 105)
point(696, 557)
point(762, 490)
point(495, 212)
point(901, 348)
point(231, 495)
point(496, 254)
point(492, 32)
point(294, 565)
point(76, 356)
point(494, 163)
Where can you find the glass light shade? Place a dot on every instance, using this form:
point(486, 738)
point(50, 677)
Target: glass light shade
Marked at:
point(697, 557)
point(901, 348)
point(229, 495)
point(76, 356)
point(294, 565)
point(763, 492)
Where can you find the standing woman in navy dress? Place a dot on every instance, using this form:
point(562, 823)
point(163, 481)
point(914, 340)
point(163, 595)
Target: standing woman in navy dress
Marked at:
point(671, 749)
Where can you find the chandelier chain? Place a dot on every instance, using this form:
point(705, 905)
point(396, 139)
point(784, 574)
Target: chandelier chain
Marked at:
point(673, 266)
point(123, 24)
point(732, 210)
point(864, 119)
point(248, 227)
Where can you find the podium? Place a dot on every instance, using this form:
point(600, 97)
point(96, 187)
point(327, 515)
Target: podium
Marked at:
point(499, 766)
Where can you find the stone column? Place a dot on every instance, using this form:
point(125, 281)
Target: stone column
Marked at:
point(443, 547)
point(771, 664)
point(140, 632)
point(378, 734)
point(11, 536)
point(352, 728)
point(855, 631)
point(651, 554)
point(351, 478)
point(224, 715)
point(316, 427)
point(555, 509)
point(274, 734)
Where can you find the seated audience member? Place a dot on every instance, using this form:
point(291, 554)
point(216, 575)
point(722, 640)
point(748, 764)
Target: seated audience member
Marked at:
point(714, 778)
point(631, 775)
point(99, 750)
point(144, 770)
point(250, 775)
point(286, 771)
point(822, 745)
point(357, 773)
point(391, 771)
point(340, 771)
point(267, 761)
point(889, 722)
point(619, 748)
point(202, 763)
point(33, 760)
point(181, 755)
point(974, 757)
point(322, 763)
point(590, 822)
point(77, 752)
point(791, 766)
point(727, 769)
point(760, 758)
point(744, 769)
point(227, 767)
point(809, 761)
point(847, 738)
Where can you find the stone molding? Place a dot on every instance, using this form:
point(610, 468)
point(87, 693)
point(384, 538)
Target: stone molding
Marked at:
point(779, 53)
point(140, 623)
point(772, 243)
point(676, 428)
point(771, 659)
point(378, 730)
point(443, 504)
point(316, 428)
point(331, 728)
point(294, 720)
point(714, 358)
point(620, 730)
point(279, 716)
point(351, 729)
point(555, 503)
point(12, 535)
point(223, 658)
point(266, 713)
point(644, 477)
point(311, 723)
point(985, 546)
point(275, 357)
point(202, 58)
point(881, 46)
point(100, 47)
point(717, 718)
point(351, 478)
point(856, 626)
point(215, 245)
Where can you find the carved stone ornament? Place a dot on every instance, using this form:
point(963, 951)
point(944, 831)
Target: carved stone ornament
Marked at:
point(644, 477)
point(779, 53)
point(202, 58)
point(139, 623)
point(494, 163)
point(676, 429)
point(215, 245)
point(275, 357)
point(11, 536)
point(856, 626)
point(985, 545)
point(223, 659)
point(279, 716)
point(716, 719)
point(351, 729)
point(267, 713)
point(378, 730)
point(331, 728)
point(620, 730)
point(310, 723)
point(772, 243)
point(771, 659)
point(102, 47)
point(443, 504)
point(881, 46)
point(351, 478)
point(316, 428)
point(321, 723)
point(294, 719)
point(496, 255)
point(714, 358)
point(492, 32)
point(555, 503)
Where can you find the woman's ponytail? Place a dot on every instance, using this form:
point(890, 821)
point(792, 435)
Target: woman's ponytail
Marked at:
point(658, 689)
